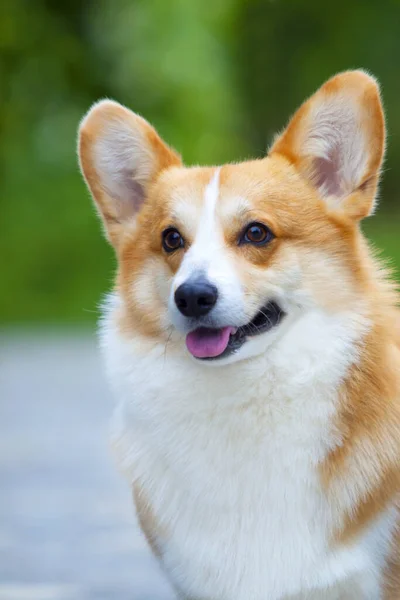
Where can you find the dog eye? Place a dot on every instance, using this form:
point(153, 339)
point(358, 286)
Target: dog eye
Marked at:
point(172, 240)
point(256, 234)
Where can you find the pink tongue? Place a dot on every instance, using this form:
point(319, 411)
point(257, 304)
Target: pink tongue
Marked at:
point(206, 343)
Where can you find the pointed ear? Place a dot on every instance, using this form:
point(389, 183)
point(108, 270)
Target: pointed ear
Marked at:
point(337, 140)
point(120, 155)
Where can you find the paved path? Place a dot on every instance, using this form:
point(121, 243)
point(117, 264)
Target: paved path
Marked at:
point(67, 529)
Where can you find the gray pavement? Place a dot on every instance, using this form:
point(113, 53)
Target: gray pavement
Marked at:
point(67, 528)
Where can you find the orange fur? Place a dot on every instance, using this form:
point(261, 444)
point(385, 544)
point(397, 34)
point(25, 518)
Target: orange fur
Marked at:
point(314, 234)
point(147, 520)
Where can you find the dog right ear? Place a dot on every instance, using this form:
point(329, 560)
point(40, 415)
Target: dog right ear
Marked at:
point(120, 155)
point(337, 141)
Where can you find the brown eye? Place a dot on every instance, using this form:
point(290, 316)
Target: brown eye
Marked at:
point(257, 234)
point(172, 240)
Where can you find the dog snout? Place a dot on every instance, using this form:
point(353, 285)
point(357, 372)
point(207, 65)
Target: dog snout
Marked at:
point(196, 298)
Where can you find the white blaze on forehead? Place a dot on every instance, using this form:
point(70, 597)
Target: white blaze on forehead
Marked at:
point(208, 237)
point(209, 257)
point(207, 232)
point(211, 196)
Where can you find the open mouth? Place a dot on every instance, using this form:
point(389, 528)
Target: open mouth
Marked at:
point(208, 343)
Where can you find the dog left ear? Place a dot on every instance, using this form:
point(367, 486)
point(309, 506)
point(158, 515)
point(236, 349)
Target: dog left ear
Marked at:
point(337, 141)
point(120, 156)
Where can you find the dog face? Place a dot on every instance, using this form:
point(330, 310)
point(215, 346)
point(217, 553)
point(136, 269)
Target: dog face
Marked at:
point(229, 257)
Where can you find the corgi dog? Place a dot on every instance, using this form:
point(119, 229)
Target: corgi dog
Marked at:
point(252, 344)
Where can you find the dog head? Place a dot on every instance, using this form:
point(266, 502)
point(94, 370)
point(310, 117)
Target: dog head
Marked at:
point(230, 256)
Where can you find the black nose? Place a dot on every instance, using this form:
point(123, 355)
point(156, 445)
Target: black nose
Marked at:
point(196, 298)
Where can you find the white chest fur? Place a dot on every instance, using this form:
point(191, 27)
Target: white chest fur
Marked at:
point(229, 456)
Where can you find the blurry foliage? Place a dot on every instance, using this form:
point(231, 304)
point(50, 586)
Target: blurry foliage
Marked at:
point(216, 79)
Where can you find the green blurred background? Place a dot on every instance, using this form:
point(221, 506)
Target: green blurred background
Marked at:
point(217, 79)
